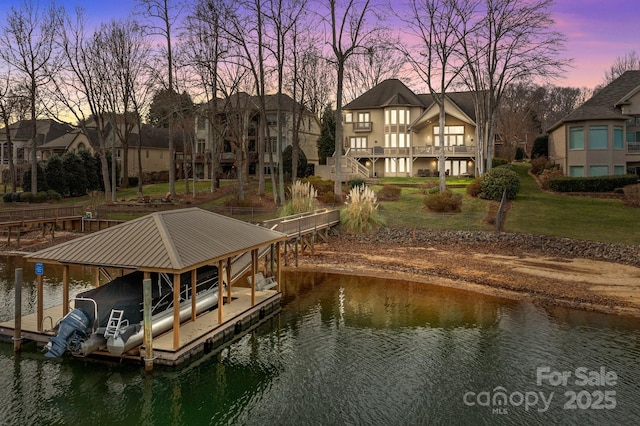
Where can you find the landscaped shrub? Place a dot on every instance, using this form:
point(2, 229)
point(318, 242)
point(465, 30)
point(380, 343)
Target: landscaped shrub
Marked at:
point(497, 180)
point(444, 202)
point(475, 188)
point(53, 195)
point(591, 184)
point(632, 195)
point(302, 199)
point(497, 161)
point(324, 189)
point(15, 197)
point(361, 213)
point(426, 187)
point(26, 197)
point(540, 147)
point(40, 197)
point(6, 197)
point(548, 174)
point(520, 154)
point(356, 182)
point(389, 192)
point(539, 164)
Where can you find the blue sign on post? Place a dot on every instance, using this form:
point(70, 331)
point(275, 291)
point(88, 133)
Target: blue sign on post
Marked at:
point(39, 268)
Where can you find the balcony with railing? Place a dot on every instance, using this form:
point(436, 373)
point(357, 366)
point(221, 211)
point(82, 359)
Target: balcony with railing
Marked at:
point(416, 151)
point(362, 126)
point(633, 147)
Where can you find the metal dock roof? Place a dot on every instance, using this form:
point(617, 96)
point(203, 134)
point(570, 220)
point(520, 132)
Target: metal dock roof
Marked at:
point(173, 240)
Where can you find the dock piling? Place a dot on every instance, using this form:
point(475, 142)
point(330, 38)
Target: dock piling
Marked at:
point(17, 331)
point(148, 335)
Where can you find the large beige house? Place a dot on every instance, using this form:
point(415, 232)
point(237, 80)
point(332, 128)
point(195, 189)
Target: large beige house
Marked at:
point(239, 119)
point(391, 131)
point(602, 136)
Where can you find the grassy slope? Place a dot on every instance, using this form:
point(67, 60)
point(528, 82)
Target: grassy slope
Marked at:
point(538, 212)
point(533, 211)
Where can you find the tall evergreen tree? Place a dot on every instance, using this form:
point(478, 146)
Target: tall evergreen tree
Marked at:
point(77, 178)
point(56, 174)
point(326, 142)
point(91, 168)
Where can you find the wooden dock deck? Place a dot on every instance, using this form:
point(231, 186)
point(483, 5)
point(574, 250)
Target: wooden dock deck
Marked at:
point(205, 334)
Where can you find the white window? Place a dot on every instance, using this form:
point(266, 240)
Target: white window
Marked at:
point(364, 117)
point(453, 135)
point(358, 142)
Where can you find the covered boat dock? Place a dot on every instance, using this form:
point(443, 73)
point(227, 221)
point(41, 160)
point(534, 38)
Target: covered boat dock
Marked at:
point(173, 242)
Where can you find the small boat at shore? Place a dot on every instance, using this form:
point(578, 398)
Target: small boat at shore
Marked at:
point(109, 317)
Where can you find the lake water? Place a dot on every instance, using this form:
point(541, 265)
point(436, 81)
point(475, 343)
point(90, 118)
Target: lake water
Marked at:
point(350, 350)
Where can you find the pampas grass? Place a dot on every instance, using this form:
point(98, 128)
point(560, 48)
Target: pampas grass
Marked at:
point(302, 199)
point(361, 213)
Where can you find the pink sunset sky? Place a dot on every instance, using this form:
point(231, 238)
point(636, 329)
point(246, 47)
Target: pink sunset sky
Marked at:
point(597, 31)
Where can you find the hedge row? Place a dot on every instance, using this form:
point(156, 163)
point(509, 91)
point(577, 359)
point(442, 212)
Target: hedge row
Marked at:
point(28, 197)
point(591, 184)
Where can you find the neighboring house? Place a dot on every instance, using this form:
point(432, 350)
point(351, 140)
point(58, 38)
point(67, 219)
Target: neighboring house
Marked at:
point(602, 136)
point(391, 131)
point(21, 139)
point(239, 118)
point(154, 149)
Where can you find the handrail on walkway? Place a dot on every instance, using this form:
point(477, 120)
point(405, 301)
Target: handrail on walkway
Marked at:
point(36, 213)
point(304, 223)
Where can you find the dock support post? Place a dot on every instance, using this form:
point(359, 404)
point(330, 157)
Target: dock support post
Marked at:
point(148, 335)
point(176, 311)
point(65, 290)
point(254, 267)
point(228, 280)
point(40, 308)
point(194, 285)
point(278, 269)
point(17, 330)
point(220, 294)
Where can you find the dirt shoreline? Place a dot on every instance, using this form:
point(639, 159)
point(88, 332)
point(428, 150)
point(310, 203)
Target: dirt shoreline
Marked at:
point(544, 270)
point(542, 278)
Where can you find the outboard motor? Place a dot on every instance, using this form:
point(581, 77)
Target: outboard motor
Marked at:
point(75, 321)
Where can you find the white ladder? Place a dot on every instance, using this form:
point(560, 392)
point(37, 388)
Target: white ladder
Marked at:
point(114, 323)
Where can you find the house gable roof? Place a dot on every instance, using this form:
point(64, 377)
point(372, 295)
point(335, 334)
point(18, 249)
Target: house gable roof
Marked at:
point(604, 104)
point(393, 92)
point(390, 92)
point(173, 240)
point(46, 131)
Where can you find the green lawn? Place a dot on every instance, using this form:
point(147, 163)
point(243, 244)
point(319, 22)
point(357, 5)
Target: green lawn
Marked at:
point(533, 211)
point(410, 211)
point(538, 212)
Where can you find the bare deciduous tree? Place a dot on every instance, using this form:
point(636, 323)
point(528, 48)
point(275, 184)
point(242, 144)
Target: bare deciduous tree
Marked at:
point(82, 87)
point(27, 45)
point(436, 25)
point(124, 50)
point(515, 41)
point(350, 34)
point(13, 106)
point(629, 61)
point(376, 64)
point(205, 50)
point(165, 13)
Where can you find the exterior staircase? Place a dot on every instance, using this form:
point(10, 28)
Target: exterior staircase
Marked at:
point(349, 167)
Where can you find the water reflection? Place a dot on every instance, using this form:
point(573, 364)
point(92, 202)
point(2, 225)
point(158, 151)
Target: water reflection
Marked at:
point(346, 350)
